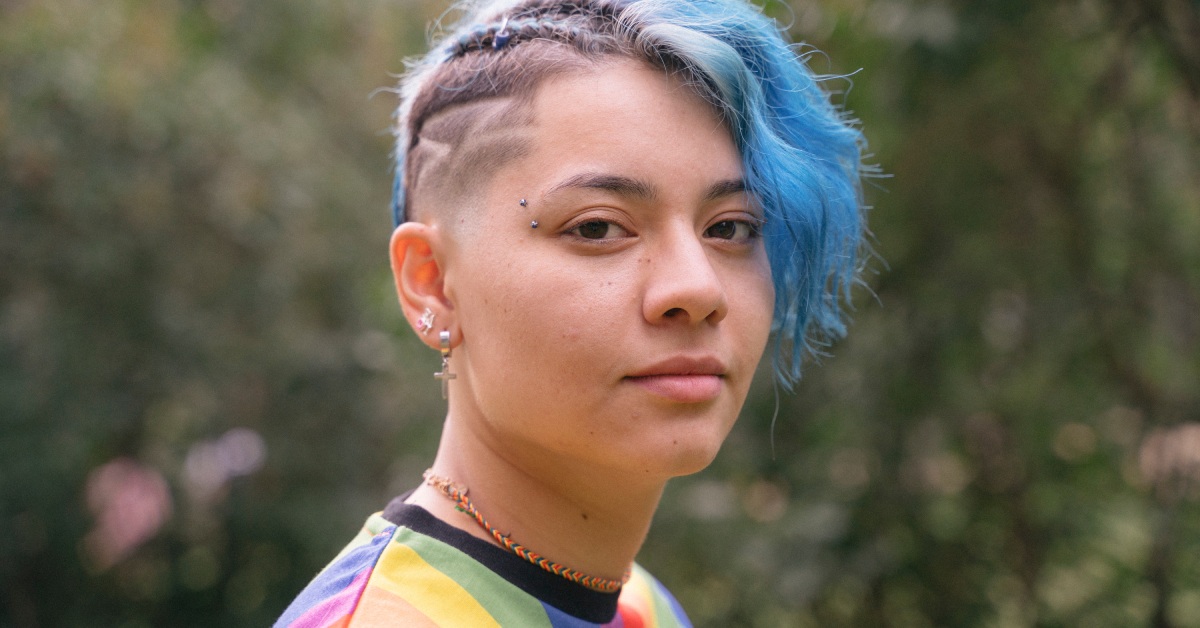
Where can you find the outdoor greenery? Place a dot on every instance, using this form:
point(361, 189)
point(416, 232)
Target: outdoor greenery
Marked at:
point(206, 384)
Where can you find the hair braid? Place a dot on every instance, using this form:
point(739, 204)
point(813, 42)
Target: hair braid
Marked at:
point(564, 22)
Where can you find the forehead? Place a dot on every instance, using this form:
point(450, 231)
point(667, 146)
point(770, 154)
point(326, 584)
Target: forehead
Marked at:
point(622, 91)
point(627, 119)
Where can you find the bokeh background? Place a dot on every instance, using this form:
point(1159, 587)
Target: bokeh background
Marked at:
point(206, 385)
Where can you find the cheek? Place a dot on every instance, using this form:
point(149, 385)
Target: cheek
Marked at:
point(539, 316)
point(766, 308)
point(754, 291)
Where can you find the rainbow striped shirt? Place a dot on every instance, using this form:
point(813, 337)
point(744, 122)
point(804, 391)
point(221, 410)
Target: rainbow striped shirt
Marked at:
point(409, 568)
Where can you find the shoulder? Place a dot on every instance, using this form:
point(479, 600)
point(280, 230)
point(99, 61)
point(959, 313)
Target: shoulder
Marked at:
point(410, 575)
point(393, 575)
point(333, 595)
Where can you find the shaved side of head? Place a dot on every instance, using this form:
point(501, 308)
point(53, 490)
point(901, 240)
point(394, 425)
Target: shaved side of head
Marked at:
point(460, 149)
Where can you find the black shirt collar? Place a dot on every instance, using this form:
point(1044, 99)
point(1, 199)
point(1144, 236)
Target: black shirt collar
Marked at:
point(573, 599)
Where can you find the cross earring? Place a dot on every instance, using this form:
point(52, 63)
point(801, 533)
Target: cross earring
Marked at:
point(445, 375)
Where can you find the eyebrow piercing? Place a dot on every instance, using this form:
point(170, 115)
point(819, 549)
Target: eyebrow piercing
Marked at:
point(533, 225)
point(524, 204)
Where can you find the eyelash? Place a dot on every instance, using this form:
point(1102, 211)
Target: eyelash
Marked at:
point(576, 230)
point(753, 229)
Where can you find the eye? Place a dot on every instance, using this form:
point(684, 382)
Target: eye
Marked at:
point(734, 230)
point(599, 230)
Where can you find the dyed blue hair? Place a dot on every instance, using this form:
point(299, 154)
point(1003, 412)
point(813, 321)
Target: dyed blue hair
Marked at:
point(801, 155)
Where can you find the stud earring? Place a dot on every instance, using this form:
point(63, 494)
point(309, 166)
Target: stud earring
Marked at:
point(425, 323)
point(445, 375)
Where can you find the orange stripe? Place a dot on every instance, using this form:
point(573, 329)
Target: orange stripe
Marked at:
point(380, 608)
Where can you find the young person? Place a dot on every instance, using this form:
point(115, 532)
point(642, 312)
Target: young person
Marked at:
point(605, 210)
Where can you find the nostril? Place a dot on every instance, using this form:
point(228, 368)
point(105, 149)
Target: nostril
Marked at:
point(673, 311)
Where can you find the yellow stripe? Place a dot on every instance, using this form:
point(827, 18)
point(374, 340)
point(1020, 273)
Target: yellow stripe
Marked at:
point(428, 590)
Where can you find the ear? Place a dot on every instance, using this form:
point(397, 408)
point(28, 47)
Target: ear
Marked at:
point(417, 268)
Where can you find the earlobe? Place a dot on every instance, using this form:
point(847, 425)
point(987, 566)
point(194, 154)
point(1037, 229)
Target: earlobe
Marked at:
point(418, 273)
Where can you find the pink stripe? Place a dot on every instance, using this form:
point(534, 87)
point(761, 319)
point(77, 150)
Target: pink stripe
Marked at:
point(336, 607)
point(617, 622)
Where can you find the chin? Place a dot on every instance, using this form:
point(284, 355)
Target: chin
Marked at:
point(689, 447)
point(689, 469)
point(681, 457)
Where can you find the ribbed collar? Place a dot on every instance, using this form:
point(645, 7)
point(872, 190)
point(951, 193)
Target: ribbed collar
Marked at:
point(568, 597)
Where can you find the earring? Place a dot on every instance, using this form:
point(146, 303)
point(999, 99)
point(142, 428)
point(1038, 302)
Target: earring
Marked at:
point(445, 375)
point(425, 323)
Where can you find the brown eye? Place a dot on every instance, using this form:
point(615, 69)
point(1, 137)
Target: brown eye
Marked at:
point(599, 230)
point(593, 230)
point(725, 230)
point(739, 230)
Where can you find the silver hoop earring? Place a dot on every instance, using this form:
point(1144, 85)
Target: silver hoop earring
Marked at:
point(445, 375)
point(425, 323)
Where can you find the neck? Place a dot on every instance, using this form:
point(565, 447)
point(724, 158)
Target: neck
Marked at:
point(591, 520)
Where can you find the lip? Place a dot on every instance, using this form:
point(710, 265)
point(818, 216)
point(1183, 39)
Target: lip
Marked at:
point(682, 379)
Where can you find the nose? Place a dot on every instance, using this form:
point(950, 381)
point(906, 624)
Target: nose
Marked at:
point(682, 284)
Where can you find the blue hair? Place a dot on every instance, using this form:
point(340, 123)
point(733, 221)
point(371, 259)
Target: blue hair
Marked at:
point(802, 157)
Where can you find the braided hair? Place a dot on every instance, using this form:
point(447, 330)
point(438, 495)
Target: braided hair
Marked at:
point(801, 155)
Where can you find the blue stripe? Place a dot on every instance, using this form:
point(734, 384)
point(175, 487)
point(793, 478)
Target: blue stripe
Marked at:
point(336, 577)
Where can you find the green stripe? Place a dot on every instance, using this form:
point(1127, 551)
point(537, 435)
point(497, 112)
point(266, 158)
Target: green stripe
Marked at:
point(505, 601)
point(664, 613)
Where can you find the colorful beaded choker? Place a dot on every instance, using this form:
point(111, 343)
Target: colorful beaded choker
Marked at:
point(458, 494)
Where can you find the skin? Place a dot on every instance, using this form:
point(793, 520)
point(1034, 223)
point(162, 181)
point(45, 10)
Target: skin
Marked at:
point(611, 348)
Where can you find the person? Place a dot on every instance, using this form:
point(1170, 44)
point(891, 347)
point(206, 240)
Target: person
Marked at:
point(605, 210)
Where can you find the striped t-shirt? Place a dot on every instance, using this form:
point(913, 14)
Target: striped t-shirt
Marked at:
point(409, 568)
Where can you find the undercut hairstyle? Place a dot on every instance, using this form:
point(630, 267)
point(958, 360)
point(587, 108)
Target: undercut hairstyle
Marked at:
point(463, 104)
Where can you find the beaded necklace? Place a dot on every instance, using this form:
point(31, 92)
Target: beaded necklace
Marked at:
point(458, 494)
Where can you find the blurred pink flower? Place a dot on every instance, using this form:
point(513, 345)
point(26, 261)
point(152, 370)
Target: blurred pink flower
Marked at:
point(1169, 460)
point(210, 465)
point(130, 502)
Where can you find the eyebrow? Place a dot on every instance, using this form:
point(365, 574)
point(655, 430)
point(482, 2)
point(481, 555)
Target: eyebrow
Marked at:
point(724, 188)
point(622, 186)
point(642, 190)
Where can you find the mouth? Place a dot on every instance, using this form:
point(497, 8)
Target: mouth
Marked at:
point(682, 379)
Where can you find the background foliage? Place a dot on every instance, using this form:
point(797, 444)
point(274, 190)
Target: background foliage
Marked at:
point(205, 384)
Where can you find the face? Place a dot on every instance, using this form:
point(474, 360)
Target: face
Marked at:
point(623, 331)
